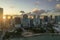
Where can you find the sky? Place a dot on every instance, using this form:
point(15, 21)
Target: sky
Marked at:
point(12, 7)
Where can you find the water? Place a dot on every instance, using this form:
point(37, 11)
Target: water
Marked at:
point(40, 37)
point(23, 29)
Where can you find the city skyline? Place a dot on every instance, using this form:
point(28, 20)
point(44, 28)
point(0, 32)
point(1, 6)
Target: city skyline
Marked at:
point(15, 6)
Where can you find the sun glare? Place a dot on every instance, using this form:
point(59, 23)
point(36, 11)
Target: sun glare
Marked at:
point(9, 17)
point(4, 17)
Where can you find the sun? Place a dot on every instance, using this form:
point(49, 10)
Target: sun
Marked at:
point(4, 17)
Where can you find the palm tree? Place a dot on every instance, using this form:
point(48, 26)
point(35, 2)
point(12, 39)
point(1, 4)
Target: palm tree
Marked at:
point(22, 12)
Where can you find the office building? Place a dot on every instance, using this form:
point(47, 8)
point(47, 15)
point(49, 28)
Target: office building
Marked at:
point(1, 11)
point(46, 19)
point(57, 19)
point(1, 14)
point(25, 21)
point(17, 20)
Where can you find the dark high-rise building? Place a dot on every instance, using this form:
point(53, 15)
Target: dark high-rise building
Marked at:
point(1, 11)
point(57, 19)
point(51, 17)
point(17, 20)
point(25, 21)
point(1, 14)
point(45, 18)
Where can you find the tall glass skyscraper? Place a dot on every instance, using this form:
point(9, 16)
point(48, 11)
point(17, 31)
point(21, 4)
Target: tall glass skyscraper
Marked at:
point(57, 19)
point(45, 18)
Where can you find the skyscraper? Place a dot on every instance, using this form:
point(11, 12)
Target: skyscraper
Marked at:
point(1, 17)
point(1, 14)
point(25, 21)
point(57, 19)
point(1, 11)
point(45, 18)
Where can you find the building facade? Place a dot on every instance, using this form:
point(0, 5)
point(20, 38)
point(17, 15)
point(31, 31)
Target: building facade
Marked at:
point(1, 14)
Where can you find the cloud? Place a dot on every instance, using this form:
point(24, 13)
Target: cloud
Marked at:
point(2, 0)
point(58, 6)
point(35, 10)
point(37, 3)
point(50, 0)
point(57, 0)
point(11, 7)
point(38, 11)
